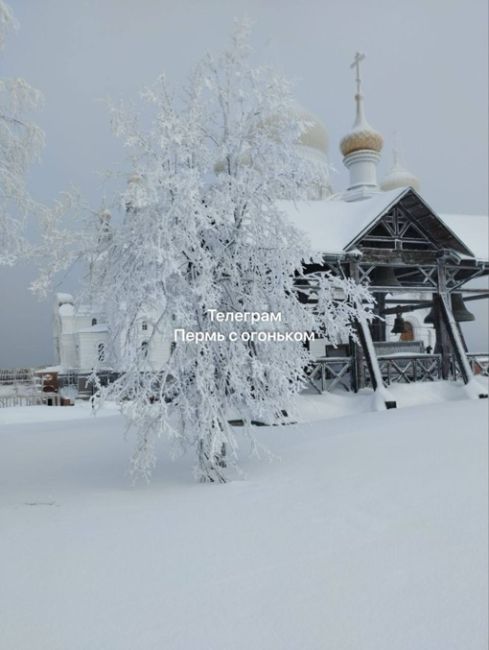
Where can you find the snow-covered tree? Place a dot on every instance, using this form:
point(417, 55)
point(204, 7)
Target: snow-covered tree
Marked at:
point(203, 235)
point(20, 144)
point(203, 231)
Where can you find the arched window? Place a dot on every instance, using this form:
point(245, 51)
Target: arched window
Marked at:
point(101, 351)
point(145, 348)
point(94, 321)
point(144, 326)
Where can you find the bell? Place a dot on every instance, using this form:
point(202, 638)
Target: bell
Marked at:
point(429, 319)
point(399, 324)
point(460, 311)
point(384, 276)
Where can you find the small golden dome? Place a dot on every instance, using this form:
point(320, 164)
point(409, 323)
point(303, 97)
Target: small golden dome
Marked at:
point(314, 135)
point(362, 138)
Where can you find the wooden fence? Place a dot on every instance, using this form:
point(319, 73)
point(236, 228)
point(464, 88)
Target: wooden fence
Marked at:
point(331, 373)
point(37, 399)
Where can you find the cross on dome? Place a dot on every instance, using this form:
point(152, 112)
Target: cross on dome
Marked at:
point(362, 136)
point(359, 57)
point(361, 147)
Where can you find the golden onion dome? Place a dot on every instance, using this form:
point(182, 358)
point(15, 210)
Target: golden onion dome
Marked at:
point(362, 136)
point(314, 134)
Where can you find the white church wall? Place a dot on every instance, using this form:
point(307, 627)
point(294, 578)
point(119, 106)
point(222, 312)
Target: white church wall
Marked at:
point(77, 334)
point(159, 343)
point(83, 342)
point(68, 357)
point(92, 349)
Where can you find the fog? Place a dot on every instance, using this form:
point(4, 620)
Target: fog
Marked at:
point(425, 76)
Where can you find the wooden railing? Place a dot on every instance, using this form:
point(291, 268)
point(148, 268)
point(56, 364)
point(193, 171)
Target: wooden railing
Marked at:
point(81, 382)
point(406, 369)
point(17, 377)
point(330, 373)
point(35, 399)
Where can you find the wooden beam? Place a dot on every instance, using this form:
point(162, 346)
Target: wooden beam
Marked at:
point(357, 378)
point(449, 329)
point(479, 297)
point(428, 303)
point(442, 345)
point(455, 339)
point(365, 338)
point(410, 289)
point(401, 257)
point(404, 310)
point(405, 301)
point(378, 326)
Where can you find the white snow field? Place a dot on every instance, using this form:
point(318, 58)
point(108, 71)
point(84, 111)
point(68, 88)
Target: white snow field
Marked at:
point(368, 533)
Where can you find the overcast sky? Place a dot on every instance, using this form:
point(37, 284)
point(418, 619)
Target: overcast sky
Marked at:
point(425, 76)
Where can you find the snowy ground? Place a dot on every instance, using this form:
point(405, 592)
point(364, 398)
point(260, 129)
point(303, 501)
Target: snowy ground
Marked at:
point(369, 533)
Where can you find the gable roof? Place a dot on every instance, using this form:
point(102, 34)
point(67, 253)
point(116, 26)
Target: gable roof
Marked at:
point(332, 224)
point(473, 229)
point(336, 226)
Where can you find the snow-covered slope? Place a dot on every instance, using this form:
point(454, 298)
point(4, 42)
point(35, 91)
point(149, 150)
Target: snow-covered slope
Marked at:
point(369, 533)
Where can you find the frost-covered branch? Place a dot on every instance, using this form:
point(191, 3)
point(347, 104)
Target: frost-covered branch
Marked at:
point(21, 142)
point(201, 229)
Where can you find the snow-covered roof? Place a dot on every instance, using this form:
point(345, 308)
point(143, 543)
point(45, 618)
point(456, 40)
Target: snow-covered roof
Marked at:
point(66, 309)
point(332, 224)
point(472, 229)
point(64, 298)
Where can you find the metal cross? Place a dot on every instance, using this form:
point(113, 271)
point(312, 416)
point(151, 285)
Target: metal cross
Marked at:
point(356, 64)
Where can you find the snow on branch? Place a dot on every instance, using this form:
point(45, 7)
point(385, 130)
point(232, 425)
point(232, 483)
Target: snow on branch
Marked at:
point(201, 231)
point(21, 142)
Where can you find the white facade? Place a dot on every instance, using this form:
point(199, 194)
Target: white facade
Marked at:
point(82, 340)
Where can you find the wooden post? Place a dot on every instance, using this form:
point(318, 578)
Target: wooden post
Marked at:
point(357, 371)
point(442, 345)
point(362, 335)
point(378, 326)
point(456, 341)
point(366, 343)
point(442, 336)
point(371, 358)
point(462, 337)
point(451, 334)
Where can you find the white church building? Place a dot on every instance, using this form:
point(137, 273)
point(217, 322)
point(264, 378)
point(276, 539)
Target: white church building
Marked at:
point(82, 341)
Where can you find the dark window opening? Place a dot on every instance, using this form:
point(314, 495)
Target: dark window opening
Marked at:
point(145, 348)
point(379, 231)
point(101, 351)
